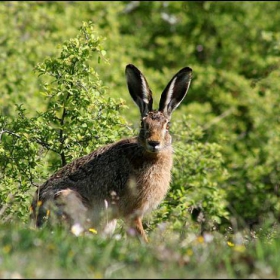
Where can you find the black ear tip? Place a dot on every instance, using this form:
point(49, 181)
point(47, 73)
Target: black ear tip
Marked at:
point(186, 70)
point(130, 66)
point(130, 69)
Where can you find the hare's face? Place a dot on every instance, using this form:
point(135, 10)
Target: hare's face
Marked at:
point(154, 135)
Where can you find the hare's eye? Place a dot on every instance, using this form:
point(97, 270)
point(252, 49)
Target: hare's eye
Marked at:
point(147, 126)
point(168, 125)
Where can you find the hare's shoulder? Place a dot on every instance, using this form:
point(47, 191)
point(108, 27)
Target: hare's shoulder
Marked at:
point(105, 152)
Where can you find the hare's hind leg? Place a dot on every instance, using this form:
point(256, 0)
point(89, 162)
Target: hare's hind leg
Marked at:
point(39, 213)
point(71, 205)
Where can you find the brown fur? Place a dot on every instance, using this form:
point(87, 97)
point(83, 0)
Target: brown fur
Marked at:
point(126, 179)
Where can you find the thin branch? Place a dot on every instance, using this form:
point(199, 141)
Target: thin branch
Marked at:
point(8, 132)
point(44, 144)
point(61, 135)
point(36, 140)
point(218, 118)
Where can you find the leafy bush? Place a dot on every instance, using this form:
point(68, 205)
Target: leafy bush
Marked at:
point(79, 117)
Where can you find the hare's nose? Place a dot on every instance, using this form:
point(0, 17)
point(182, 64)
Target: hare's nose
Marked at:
point(153, 143)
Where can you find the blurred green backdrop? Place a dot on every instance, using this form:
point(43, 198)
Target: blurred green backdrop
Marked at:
point(226, 132)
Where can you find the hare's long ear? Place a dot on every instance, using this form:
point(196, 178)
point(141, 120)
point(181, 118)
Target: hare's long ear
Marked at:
point(175, 91)
point(139, 89)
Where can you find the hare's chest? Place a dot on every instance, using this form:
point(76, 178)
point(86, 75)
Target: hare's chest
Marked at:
point(152, 184)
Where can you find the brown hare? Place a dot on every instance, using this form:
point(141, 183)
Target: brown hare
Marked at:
point(125, 179)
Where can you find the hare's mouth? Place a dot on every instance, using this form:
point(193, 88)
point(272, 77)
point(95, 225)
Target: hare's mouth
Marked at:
point(153, 150)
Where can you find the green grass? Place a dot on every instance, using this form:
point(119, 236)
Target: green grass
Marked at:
point(55, 253)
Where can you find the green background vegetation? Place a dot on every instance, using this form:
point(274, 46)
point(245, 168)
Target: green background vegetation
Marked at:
point(63, 93)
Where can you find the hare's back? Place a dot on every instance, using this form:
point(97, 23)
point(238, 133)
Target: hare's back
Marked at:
point(97, 174)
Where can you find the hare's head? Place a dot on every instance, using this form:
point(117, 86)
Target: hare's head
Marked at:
point(154, 135)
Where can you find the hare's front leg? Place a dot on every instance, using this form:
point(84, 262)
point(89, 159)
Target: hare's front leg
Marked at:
point(138, 226)
point(109, 228)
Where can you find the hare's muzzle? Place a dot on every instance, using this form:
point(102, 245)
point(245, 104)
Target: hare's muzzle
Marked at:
point(153, 146)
